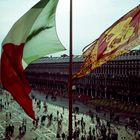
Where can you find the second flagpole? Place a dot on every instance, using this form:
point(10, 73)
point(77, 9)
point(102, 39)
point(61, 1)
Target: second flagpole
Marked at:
point(70, 76)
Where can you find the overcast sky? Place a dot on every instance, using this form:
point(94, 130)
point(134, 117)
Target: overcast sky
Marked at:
point(90, 18)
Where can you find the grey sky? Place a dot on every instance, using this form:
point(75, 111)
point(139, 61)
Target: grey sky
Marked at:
point(90, 18)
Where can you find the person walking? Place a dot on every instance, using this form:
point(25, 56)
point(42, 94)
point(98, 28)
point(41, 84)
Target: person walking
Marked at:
point(63, 136)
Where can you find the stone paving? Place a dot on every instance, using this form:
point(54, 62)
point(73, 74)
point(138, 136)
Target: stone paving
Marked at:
point(48, 132)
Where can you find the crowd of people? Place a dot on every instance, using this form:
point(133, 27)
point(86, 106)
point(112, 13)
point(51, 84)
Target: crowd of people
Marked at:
point(85, 127)
point(99, 129)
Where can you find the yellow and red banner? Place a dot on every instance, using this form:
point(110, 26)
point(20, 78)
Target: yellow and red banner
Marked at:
point(118, 39)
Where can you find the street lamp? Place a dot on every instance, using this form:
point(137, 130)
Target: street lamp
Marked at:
point(73, 87)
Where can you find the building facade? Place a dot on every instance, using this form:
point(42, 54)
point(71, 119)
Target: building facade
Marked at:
point(117, 79)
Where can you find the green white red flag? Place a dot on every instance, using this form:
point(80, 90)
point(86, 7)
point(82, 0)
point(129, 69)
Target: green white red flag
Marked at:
point(31, 37)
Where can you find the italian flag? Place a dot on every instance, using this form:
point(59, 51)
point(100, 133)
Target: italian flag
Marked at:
point(31, 37)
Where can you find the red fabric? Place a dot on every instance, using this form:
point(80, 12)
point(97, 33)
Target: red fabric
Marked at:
point(135, 15)
point(12, 76)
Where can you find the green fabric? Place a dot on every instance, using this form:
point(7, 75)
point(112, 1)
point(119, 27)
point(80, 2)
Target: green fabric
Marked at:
point(37, 30)
point(41, 4)
point(42, 39)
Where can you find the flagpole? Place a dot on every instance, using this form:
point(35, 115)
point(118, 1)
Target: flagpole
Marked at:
point(70, 75)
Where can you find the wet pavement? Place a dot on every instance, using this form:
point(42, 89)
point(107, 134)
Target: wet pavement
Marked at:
point(48, 132)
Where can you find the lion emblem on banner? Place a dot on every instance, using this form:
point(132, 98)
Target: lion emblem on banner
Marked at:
point(119, 35)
